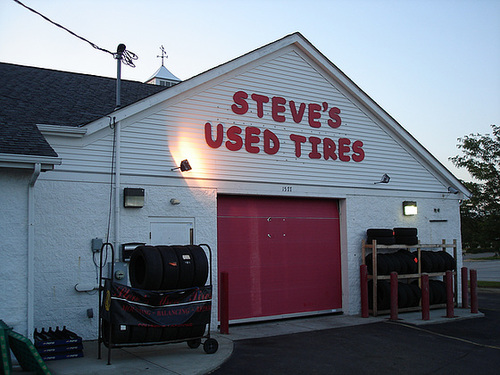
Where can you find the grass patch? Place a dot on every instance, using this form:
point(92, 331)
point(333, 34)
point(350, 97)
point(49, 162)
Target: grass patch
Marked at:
point(488, 284)
point(495, 257)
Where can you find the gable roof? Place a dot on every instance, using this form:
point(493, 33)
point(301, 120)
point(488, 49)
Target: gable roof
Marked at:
point(31, 96)
point(331, 72)
point(71, 99)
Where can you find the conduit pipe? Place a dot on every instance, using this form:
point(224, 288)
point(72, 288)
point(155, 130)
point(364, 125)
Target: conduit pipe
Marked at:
point(117, 184)
point(31, 250)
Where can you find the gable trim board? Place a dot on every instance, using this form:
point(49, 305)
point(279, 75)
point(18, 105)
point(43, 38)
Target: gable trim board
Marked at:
point(154, 134)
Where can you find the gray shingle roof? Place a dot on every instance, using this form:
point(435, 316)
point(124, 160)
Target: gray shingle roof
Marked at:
point(30, 96)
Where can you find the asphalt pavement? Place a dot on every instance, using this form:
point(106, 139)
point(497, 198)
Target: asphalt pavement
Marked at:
point(487, 270)
point(456, 347)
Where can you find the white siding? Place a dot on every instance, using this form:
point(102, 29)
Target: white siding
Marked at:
point(178, 131)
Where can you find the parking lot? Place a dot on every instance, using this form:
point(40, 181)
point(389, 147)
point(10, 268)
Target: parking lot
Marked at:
point(458, 347)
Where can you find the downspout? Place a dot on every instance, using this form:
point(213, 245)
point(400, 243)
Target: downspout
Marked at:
point(31, 250)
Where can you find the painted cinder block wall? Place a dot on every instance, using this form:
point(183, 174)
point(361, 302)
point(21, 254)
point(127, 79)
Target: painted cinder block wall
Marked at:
point(13, 247)
point(67, 221)
point(385, 211)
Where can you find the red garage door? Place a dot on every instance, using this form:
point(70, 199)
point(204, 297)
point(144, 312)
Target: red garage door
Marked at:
point(282, 255)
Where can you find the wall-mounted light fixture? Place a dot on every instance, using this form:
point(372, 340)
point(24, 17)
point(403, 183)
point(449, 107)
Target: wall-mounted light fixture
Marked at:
point(384, 180)
point(409, 208)
point(133, 197)
point(184, 166)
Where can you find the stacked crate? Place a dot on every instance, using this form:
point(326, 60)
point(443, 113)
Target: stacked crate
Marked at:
point(58, 344)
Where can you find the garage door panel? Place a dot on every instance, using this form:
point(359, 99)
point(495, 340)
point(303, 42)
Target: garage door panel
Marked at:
point(282, 255)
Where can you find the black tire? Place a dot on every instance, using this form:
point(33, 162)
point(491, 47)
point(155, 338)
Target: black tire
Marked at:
point(437, 292)
point(195, 343)
point(403, 297)
point(198, 330)
point(383, 295)
point(406, 240)
point(417, 294)
point(393, 262)
point(146, 268)
point(448, 261)
point(408, 259)
point(170, 278)
point(210, 346)
point(154, 334)
point(403, 263)
point(413, 263)
point(138, 334)
point(426, 261)
point(438, 264)
point(186, 267)
point(405, 232)
point(382, 240)
point(383, 264)
point(369, 263)
point(169, 333)
point(442, 291)
point(379, 232)
point(200, 265)
point(120, 333)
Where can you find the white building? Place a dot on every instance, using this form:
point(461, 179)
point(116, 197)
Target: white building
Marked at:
point(286, 155)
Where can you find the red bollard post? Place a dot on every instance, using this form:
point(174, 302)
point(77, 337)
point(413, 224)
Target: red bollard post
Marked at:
point(473, 292)
point(425, 297)
point(465, 288)
point(363, 270)
point(450, 311)
point(224, 303)
point(394, 296)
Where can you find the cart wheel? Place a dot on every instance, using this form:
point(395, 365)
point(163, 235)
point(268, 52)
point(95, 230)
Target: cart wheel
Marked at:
point(193, 344)
point(210, 346)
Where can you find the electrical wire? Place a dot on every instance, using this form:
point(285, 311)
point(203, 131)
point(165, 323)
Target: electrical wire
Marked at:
point(127, 57)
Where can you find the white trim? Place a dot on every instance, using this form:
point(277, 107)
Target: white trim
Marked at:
point(27, 161)
point(61, 130)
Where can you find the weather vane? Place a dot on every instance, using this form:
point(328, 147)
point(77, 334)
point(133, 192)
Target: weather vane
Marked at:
point(163, 54)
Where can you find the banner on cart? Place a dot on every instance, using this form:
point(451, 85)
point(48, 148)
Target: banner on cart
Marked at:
point(139, 307)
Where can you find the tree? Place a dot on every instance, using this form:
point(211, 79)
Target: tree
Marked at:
point(481, 213)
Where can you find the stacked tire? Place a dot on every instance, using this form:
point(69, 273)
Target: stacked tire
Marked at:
point(435, 261)
point(382, 236)
point(398, 236)
point(409, 295)
point(405, 236)
point(168, 267)
point(403, 262)
point(126, 334)
point(160, 268)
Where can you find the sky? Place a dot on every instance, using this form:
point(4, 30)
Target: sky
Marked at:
point(433, 65)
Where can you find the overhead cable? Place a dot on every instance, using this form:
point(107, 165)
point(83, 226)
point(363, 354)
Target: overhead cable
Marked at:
point(127, 57)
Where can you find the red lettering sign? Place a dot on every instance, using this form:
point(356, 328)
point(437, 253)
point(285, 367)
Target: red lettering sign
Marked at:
point(252, 137)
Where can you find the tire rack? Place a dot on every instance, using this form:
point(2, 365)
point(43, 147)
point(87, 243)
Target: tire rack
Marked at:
point(210, 345)
point(375, 277)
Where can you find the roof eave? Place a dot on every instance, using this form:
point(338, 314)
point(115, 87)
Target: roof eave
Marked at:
point(20, 161)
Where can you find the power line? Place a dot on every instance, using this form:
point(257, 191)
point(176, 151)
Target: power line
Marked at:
point(127, 57)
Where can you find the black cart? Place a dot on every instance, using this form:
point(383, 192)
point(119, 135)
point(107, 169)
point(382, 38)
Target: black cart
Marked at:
point(136, 317)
